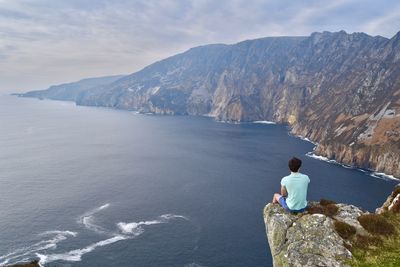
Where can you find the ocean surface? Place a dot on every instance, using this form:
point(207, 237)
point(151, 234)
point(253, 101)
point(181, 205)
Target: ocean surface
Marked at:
point(84, 186)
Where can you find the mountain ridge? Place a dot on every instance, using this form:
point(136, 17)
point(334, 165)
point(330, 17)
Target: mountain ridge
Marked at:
point(70, 91)
point(340, 90)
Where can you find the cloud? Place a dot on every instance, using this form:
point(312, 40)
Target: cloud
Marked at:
point(44, 42)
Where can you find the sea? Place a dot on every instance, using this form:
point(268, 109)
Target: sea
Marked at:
point(88, 186)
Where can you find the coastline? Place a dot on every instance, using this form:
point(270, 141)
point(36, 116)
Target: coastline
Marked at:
point(370, 172)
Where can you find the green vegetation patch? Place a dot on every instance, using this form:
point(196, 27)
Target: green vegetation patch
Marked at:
point(363, 241)
point(377, 249)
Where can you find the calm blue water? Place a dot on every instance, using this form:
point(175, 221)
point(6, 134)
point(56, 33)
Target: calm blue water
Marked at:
point(83, 186)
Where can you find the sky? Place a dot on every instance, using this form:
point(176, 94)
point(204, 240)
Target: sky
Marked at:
point(46, 42)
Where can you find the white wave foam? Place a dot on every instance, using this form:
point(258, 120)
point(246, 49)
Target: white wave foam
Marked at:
point(322, 158)
point(379, 175)
point(134, 227)
point(228, 122)
point(304, 139)
point(96, 210)
point(88, 220)
point(58, 232)
point(209, 115)
point(244, 122)
point(193, 264)
point(372, 173)
point(264, 122)
point(173, 216)
point(39, 246)
point(312, 155)
point(76, 254)
point(384, 176)
point(129, 231)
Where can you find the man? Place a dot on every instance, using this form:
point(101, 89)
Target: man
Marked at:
point(294, 187)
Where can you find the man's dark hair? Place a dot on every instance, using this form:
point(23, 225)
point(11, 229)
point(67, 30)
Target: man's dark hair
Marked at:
point(294, 164)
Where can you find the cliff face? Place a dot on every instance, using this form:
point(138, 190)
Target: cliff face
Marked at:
point(356, 119)
point(230, 82)
point(340, 90)
point(327, 235)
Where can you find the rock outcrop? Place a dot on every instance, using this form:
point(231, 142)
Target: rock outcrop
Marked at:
point(392, 203)
point(314, 238)
point(337, 89)
point(303, 240)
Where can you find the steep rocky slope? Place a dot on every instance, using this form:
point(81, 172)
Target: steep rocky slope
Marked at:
point(340, 90)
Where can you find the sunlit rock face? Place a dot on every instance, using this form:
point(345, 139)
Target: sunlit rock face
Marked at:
point(340, 90)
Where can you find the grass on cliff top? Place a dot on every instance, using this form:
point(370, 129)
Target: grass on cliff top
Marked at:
point(379, 249)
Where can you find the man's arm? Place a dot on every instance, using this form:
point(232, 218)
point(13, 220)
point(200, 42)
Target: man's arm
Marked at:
point(283, 191)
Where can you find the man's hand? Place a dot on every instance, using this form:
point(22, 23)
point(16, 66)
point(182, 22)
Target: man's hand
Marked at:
point(283, 191)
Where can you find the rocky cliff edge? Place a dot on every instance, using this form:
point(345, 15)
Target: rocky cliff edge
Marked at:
point(330, 234)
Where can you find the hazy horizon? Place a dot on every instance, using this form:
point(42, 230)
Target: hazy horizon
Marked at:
point(46, 42)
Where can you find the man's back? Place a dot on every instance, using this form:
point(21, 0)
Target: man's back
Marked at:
point(296, 185)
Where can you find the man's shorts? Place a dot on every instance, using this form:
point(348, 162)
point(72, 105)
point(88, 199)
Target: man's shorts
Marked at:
point(282, 201)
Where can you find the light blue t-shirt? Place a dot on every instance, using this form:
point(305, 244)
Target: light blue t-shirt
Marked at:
point(296, 186)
